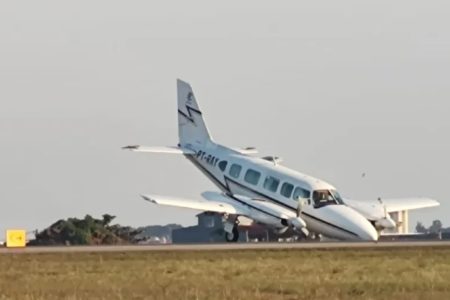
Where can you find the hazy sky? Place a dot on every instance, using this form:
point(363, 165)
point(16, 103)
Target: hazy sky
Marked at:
point(336, 88)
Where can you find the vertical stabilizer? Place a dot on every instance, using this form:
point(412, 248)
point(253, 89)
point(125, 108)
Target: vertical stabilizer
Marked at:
point(191, 126)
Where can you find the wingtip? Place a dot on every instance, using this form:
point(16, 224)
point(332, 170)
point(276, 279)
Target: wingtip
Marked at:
point(433, 202)
point(436, 203)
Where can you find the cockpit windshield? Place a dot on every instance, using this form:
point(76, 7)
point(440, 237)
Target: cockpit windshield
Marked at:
point(326, 197)
point(337, 196)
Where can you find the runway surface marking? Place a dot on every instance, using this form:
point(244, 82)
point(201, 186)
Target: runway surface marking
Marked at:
point(217, 247)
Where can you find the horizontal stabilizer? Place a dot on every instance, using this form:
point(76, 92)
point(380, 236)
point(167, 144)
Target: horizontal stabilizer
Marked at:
point(166, 149)
point(214, 206)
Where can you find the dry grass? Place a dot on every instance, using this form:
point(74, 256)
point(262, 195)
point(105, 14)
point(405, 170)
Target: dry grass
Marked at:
point(277, 274)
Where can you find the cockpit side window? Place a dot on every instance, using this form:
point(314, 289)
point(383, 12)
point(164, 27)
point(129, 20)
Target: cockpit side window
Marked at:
point(324, 197)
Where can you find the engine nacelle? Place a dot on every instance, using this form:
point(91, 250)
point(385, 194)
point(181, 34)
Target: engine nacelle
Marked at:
point(281, 230)
point(387, 223)
point(297, 223)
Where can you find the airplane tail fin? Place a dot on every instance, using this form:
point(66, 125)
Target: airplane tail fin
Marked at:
point(191, 125)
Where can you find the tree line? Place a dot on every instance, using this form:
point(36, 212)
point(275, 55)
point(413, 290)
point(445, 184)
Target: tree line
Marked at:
point(86, 231)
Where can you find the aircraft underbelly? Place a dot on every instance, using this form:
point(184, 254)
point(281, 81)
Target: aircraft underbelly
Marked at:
point(321, 227)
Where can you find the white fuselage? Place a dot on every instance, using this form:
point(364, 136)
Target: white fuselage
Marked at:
point(266, 192)
point(266, 180)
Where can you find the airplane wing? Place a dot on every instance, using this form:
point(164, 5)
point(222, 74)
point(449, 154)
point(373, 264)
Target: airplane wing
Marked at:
point(393, 205)
point(238, 205)
point(374, 210)
point(213, 206)
point(261, 205)
point(166, 149)
point(257, 210)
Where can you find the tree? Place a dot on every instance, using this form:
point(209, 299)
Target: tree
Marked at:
point(107, 218)
point(435, 227)
point(420, 228)
point(86, 231)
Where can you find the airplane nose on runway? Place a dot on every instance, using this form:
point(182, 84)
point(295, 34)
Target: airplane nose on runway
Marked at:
point(367, 232)
point(357, 227)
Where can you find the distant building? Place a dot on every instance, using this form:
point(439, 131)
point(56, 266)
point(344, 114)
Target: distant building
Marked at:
point(208, 230)
point(156, 234)
point(402, 219)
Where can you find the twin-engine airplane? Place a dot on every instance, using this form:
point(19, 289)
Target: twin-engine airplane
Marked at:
point(266, 192)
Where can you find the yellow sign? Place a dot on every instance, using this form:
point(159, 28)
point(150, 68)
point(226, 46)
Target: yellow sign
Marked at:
point(15, 238)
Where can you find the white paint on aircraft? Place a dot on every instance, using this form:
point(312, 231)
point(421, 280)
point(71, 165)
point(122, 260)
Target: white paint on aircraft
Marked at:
point(265, 191)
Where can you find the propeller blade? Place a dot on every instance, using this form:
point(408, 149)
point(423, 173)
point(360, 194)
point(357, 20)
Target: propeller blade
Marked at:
point(301, 203)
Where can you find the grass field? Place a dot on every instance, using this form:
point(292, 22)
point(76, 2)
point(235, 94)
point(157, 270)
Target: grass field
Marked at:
point(262, 274)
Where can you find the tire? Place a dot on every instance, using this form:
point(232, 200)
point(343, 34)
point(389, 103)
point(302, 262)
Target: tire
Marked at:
point(233, 236)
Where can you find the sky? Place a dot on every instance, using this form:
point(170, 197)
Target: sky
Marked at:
point(336, 88)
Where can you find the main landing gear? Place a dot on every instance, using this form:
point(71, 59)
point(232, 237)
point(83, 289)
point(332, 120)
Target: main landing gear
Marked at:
point(232, 236)
point(231, 230)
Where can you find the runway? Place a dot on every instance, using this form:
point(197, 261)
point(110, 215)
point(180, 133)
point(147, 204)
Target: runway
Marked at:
point(225, 247)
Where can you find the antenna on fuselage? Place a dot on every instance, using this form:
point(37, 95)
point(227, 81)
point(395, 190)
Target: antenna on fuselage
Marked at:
point(274, 159)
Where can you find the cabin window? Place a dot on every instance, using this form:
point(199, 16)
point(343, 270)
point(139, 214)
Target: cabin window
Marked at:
point(300, 193)
point(252, 176)
point(235, 170)
point(271, 183)
point(223, 165)
point(286, 189)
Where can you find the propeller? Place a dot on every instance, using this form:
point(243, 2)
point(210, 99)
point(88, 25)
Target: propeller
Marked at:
point(387, 221)
point(298, 223)
point(386, 215)
point(299, 208)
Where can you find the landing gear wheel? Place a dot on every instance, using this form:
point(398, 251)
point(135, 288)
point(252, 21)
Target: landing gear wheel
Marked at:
point(232, 236)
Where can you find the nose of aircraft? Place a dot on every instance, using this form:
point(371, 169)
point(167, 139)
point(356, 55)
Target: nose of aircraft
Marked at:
point(349, 220)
